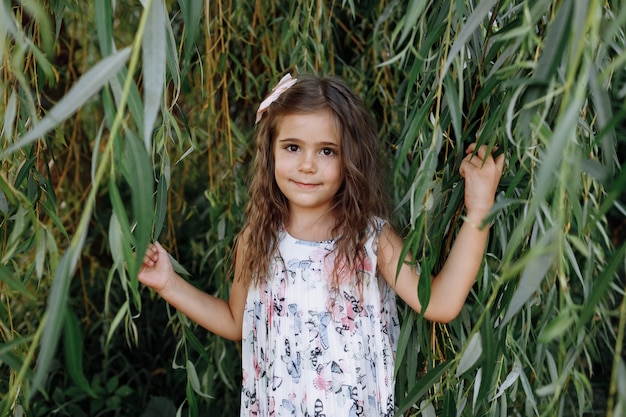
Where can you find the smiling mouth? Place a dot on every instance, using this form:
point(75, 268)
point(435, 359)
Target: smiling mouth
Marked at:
point(304, 184)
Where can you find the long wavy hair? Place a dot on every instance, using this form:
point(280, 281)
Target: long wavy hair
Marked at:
point(361, 196)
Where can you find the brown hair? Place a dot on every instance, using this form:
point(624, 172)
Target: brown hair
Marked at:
point(362, 195)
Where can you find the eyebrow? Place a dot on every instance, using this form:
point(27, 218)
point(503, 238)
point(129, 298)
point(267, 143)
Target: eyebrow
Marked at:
point(321, 143)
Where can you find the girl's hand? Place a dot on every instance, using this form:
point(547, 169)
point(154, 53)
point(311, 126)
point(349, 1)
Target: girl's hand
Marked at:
point(482, 174)
point(157, 271)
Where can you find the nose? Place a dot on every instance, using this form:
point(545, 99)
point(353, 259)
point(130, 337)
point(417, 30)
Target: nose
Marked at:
point(307, 162)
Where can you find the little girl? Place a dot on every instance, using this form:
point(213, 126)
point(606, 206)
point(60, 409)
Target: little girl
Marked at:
point(316, 263)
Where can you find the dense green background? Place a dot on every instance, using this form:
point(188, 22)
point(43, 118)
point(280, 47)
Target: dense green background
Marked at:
point(129, 121)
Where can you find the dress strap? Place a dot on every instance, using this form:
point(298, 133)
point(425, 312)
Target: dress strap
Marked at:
point(378, 225)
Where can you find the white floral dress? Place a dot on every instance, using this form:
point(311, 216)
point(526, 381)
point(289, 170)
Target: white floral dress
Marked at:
point(305, 355)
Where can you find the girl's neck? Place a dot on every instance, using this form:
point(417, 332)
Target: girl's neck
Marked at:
point(311, 227)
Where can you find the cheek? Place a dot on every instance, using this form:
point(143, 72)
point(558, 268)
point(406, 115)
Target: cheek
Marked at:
point(338, 167)
point(278, 166)
point(327, 168)
point(281, 172)
point(334, 171)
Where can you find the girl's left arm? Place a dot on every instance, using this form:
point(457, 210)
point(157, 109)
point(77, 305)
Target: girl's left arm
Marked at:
point(453, 283)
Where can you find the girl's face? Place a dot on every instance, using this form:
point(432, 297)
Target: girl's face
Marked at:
point(307, 160)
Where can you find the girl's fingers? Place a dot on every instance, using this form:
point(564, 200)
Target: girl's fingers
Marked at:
point(478, 158)
point(151, 256)
point(475, 159)
point(481, 156)
point(148, 261)
point(157, 248)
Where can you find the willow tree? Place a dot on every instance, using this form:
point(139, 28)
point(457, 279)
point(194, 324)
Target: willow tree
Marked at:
point(124, 122)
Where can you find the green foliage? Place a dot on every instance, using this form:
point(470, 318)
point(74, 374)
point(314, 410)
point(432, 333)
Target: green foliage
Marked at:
point(142, 130)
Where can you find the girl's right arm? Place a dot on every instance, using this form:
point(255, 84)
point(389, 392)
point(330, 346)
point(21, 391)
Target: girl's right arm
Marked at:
point(214, 314)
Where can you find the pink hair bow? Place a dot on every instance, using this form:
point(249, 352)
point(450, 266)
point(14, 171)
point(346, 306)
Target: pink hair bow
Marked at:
point(280, 88)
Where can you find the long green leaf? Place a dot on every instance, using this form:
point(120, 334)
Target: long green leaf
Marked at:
point(73, 349)
point(137, 170)
point(133, 97)
point(119, 316)
point(192, 15)
point(89, 84)
point(560, 140)
point(471, 25)
point(9, 117)
point(117, 243)
point(4, 203)
point(153, 50)
point(602, 103)
point(539, 260)
point(194, 381)
point(601, 284)
point(8, 349)
point(473, 352)
point(415, 9)
point(551, 56)
point(555, 41)
point(7, 23)
point(14, 283)
point(55, 311)
point(490, 351)
point(161, 206)
point(422, 386)
point(104, 26)
point(403, 340)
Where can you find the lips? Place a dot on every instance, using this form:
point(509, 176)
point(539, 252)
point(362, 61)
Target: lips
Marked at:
point(304, 185)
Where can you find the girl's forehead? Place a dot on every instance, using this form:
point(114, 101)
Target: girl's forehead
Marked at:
point(318, 120)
